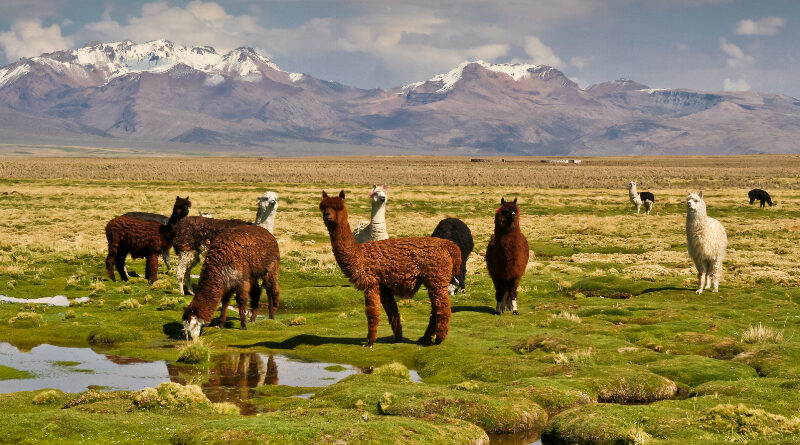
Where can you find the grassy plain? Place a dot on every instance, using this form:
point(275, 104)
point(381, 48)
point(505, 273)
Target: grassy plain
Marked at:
point(612, 344)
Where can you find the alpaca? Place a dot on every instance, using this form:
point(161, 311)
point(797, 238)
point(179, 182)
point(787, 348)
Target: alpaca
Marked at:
point(142, 239)
point(375, 228)
point(195, 234)
point(707, 242)
point(161, 219)
point(639, 198)
point(236, 260)
point(456, 231)
point(760, 195)
point(393, 267)
point(507, 256)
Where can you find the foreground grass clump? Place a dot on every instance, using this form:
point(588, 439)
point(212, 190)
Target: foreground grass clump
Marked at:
point(196, 352)
point(762, 334)
point(130, 303)
point(172, 303)
point(47, 397)
point(112, 335)
point(748, 421)
point(170, 395)
point(26, 320)
point(392, 370)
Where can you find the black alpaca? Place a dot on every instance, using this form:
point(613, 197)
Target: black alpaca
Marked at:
point(456, 231)
point(647, 196)
point(761, 195)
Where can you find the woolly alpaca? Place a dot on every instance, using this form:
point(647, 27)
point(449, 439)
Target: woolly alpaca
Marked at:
point(236, 260)
point(393, 267)
point(195, 234)
point(456, 231)
point(707, 242)
point(507, 256)
point(639, 198)
point(142, 239)
point(375, 228)
point(760, 195)
point(161, 219)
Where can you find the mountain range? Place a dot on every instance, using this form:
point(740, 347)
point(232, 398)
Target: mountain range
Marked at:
point(159, 94)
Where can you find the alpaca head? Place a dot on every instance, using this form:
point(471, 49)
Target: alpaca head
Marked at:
point(268, 201)
point(192, 323)
point(631, 185)
point(378, 195)
point(507, 214)
point(181, 207)
point(333, 209)
point(695, 204)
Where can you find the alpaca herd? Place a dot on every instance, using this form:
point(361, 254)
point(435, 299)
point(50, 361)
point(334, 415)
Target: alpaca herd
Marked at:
point(242, 257)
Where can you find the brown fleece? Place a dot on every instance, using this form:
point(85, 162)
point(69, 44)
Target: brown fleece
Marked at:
point(395, 267)
point(142, 239)
point(197, 232)
point(507, 253)
point(236, 260)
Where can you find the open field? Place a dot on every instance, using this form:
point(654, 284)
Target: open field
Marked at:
point(612, 345)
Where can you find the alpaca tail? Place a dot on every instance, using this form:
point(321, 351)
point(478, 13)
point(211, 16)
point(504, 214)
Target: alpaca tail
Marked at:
point(455, 254)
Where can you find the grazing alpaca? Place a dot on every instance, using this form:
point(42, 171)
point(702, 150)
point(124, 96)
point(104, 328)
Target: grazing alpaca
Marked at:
point(161, 219)
point(760, 195)
point(194, 234)
point(639, 198)
point(142, 239)
point(393, 267)
point(375, 229)
point(456, 231)
point(507, 256)
point(707, 242)
point(236, 260)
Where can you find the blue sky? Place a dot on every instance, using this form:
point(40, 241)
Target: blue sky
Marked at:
point(699, 44)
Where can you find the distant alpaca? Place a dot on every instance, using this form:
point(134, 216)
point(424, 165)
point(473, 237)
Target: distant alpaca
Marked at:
point(393, 267)
point(236, 260)
point(194, 235)
point(760, 195)
point(142, 239)
point(456, 231)
point(639, 198)
point(507, 256)
point(707, 242)
point(375, 229)
point(161, 219)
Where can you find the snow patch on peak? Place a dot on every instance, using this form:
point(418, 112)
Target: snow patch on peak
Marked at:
point(8, 74)
point(296, 77)
point(516, 71)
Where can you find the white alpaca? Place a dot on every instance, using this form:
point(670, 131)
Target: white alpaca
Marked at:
point(637, 199)
point(375, 229)
point(189, 258)
point(707, 242)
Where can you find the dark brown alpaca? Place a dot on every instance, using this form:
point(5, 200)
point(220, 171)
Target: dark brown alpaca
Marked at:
point(142, 239)
point(393, 267)
point(236, 260)
point(507, 256)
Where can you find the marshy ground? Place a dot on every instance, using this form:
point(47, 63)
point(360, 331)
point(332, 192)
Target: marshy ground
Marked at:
point(612, 345)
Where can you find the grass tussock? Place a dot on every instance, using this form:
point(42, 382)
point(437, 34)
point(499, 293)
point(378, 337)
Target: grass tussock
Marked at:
point(762, 334)
point(170, 395)
point(748, 421)
point(194, 353)
point(130, 303)
point(392, 370)
point(47, 397)
point(226, 409)
point(565, 315)
point(579, 356)
point(172, 303)
point(26, 320)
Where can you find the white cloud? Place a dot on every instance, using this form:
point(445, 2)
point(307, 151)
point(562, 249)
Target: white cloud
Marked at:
point(735, 85)
point(737, 57)
point(28, 38)
point(765, 26)
point(579, 62)
point(540, 53)
point(682, 46)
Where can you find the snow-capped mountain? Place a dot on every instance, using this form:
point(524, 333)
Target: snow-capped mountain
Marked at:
point(160, 92)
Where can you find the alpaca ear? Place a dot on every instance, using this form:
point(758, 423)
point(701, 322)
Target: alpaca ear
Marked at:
point(386, 187)
point(324, 195)
point(341, 194)
point(701, 193)
point(515, 200)
point(502, 201)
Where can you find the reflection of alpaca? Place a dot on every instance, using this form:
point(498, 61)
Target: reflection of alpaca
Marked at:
point(507, 256)
point(639, 198)
point(393, 267)
point(236, 260)
point(375, 229)
point(707, 242)
point(456, 231)
point(142, 239)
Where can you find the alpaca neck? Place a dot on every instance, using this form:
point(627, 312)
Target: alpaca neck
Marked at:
point(345, 249)
point(500, 229)
point(632, 193)
point(266, 218)
point(378, 219)
point(696, 219)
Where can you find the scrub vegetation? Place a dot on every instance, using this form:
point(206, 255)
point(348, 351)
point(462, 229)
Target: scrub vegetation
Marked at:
point(612, 344)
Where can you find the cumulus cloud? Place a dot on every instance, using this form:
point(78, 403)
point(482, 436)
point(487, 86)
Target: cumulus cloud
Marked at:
point(735, 85)
point(29, 38)
point(765, 26)
point(736, 57)
point(541, 54)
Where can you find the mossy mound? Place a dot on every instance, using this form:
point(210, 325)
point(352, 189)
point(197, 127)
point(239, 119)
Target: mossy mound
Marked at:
point(195, 353)
point(48, 397)
point(610, 286)
point(744, 420)
point(110, 335)
point(694, 370)
point(392, 370)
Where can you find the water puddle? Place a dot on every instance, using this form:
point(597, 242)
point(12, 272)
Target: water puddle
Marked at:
point(523, 438)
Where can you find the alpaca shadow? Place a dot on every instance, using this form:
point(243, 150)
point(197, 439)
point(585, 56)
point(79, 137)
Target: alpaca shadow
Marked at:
point(659, 289)
point(479, 309)
point(316, 340)
point(173, 330)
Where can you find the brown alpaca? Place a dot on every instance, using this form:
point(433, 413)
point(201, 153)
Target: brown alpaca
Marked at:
point(507, 256)
point(393, 267)
point(142, 239)
point(235, 262)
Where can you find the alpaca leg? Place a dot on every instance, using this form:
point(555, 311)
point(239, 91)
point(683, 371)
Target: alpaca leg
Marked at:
point(710, 273)
point(701, 278)
point(255, 298)
point(242, 292)
point(440, 300)
point(499, 290)
point(119, 261)
point(372, 298)
point(183, 273)
point(513, 292)
point(110, 266)
point(390, 306)
point(717, 275)
point(151, 268)
point(273, 289)
point(165, 257)
point(223, 312)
